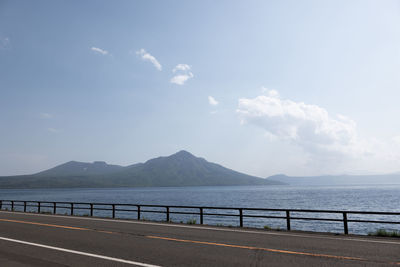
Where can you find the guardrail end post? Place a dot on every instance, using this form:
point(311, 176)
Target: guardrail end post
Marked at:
point(345, 225)
point(288, 220)
point(201, 215)
point(167, 213)
point(241, 217)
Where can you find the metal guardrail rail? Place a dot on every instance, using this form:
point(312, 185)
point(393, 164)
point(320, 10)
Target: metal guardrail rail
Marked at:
point(139, 209)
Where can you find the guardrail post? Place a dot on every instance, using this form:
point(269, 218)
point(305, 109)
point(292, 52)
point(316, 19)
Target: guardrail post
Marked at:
point(54, 207)
point(24, 206)
point(167, 214)
point(38, 207)
point(346, 228)
point(201, 215)
point(12, 205)
point(91, 209)
point(241, 217)
point(72, 208)
point(288, 220)
point(1, 204)
point(113, 211)
point(138, 212)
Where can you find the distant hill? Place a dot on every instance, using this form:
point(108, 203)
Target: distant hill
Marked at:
point(338, 179)
point(179, 169)
point(75, 168)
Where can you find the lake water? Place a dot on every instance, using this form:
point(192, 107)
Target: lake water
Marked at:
point(360, 198)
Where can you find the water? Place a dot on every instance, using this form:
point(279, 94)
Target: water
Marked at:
point(362, 198)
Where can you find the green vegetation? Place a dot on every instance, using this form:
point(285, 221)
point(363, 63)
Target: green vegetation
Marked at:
point(179, 169)
point(269, 228)
point(385, 233)
point(191, 221)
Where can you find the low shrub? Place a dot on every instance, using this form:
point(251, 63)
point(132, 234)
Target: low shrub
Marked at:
point(386, 233)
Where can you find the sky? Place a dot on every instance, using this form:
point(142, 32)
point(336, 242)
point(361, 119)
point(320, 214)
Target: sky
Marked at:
point(261, 87)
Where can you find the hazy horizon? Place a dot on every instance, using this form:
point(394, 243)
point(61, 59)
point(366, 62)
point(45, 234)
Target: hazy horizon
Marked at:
point(260, 87)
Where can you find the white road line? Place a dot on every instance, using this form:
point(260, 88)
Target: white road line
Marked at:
point(79, 252)
point(315, 236)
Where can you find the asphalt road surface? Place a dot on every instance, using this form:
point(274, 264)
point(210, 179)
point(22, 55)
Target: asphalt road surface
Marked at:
point(52, 240)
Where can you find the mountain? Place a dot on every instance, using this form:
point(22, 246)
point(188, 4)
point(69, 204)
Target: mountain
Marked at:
point(179, 169)
point(338, 179)
point(184, 169)
point(75, 168)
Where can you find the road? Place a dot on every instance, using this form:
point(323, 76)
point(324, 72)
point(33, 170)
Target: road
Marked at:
point(51, 240)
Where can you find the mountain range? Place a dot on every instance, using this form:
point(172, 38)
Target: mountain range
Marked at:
point(179, 169)
point(382, 179)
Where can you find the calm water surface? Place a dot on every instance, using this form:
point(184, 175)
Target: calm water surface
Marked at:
point(363, 198)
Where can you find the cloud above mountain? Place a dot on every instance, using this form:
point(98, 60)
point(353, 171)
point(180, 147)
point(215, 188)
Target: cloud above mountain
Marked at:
point(150, 58)
point(328, 140)
point(304, 124)
point(212, 101)
point(182, 74)
point(99, 51)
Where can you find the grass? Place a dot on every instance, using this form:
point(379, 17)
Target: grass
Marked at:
point(269, 228)
point(191, 221)
point(386, 233)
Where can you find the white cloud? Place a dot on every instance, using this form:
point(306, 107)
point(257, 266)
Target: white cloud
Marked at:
point(212, 101)
point(45, 115)
point(148, 57)
point(309, 126)
point(327, 143)
point(99, 50)
point(183, 74)
point(181, 79)
point(182, 67)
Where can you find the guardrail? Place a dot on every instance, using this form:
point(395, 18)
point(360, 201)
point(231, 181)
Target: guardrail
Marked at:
point(139, 209)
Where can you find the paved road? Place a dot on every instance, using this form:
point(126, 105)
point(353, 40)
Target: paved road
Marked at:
point(48, 240)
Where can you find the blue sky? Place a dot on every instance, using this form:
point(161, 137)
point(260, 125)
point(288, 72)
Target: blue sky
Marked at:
point(262, 87)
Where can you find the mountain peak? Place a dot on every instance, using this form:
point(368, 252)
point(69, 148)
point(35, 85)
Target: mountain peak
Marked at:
point(183, 154)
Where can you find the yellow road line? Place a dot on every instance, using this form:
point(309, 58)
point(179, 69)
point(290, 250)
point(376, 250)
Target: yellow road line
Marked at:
point(266, 249)
point(49, 225)
point(57, 226)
